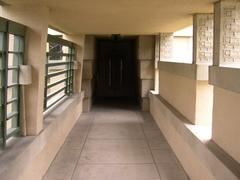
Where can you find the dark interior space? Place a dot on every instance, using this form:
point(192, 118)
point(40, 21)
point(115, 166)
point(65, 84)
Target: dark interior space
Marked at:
point(116, 69)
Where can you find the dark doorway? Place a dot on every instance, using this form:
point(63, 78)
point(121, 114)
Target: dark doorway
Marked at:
point(116, 68)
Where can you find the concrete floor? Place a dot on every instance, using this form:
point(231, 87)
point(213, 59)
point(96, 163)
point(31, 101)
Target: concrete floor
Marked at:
point(115, 143)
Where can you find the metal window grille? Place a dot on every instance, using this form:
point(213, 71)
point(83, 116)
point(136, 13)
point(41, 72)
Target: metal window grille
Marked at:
point(11, 56)
point(59, 70)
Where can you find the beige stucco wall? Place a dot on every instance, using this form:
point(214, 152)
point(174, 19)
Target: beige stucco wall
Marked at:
point(36, 20)
point(204, 103)
point(226, 121)
point(34, 157)
point(192, 165)
point(193, 98)
point(180, 92)
point(198, 160)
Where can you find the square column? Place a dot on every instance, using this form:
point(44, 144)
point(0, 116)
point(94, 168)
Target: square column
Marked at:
point(146, 68)
point(36, 21)
point(166, 46)
point(227, 33)
point(88, 72)
point(203, 39)
point(225, 79)
point(203, 57)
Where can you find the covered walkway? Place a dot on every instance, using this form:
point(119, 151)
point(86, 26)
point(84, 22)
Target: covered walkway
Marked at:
point(115, 142)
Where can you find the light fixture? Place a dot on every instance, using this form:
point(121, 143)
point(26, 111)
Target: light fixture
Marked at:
point(25, 74)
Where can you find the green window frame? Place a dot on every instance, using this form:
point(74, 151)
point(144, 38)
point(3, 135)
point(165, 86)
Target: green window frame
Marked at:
point(12, 40)
point(58, 70)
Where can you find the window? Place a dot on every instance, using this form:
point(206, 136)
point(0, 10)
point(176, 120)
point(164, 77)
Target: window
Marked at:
point(59, 70)
point(11, 56)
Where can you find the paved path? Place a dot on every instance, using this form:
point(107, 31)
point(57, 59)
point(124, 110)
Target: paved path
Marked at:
point(115, 143)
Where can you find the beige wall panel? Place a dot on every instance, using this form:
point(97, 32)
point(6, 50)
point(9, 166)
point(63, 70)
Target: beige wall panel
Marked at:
point(89, 52)
point(199, 160)
point(180, 92)
point(204, 103)
point(147, 69)
point(146, 86)
point(146, 47)
point(226, 122)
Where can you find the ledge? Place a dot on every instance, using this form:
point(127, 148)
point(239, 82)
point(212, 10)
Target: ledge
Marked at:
point(216, 161)
point(18, 161)
point(191, 71)
point(225, 77)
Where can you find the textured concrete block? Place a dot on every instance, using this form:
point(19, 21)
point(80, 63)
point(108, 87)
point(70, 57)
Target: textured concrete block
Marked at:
point(89, 49)
point(227, 33)
point(203, 38)
point(166, 46)
point(146, 86)
point(147, 69)
point(146, 46)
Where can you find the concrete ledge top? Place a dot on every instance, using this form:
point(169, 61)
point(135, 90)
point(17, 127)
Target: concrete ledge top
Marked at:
point(191, 71)
point(225, 77)
point(222, 165)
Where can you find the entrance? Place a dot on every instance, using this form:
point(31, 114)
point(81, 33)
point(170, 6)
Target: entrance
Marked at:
point(116, 68)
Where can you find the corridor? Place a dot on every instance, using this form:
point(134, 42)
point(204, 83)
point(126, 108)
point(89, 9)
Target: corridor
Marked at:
point(115, 142)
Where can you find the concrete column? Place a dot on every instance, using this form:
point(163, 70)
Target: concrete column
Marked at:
point(203, 39)
point(227, 33)
point(203, 57)
point(146, 68)
point(157, 58)
point(88, 71)
point(166, 46)
point(225, 128)
point(36, 21)
point(165, 52)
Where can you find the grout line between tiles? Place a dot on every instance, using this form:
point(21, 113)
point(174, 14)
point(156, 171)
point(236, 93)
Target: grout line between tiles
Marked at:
point(154, 161)
point(89, 128)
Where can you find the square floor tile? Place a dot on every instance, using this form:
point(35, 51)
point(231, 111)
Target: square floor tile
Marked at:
point(116, 172)
point(116, 151)
point(116, 131)
point(171, 171)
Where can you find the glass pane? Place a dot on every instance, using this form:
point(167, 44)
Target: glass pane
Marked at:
point(16, 43)
point(12, 124)
point(12, 93)
point(12, 77)
point(13, 59)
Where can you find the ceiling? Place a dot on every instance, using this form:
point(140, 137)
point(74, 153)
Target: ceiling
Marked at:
point(121, 16)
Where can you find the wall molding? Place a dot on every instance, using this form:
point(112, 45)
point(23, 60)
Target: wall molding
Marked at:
point(225, 77)
point(191, 71)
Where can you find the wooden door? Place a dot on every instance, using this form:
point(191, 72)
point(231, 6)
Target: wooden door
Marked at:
point(116, 69)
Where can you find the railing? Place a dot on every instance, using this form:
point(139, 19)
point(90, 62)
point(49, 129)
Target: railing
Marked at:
point(59, 71)
point(11, 56)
